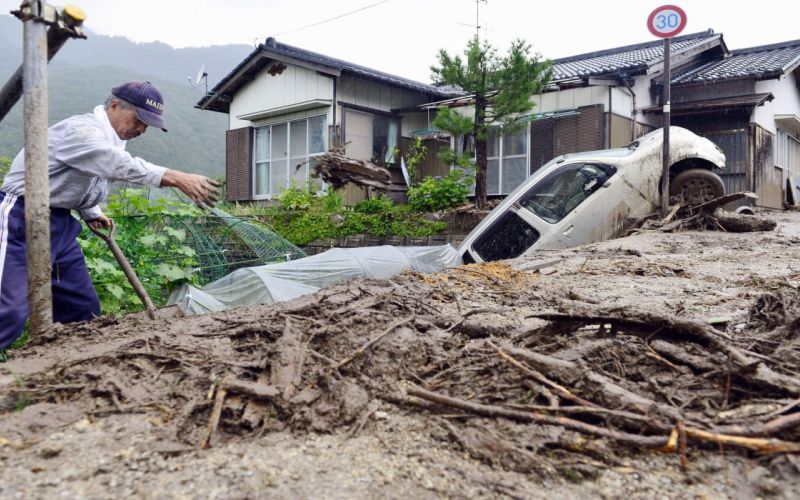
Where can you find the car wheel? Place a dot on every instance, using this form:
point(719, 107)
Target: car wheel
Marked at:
point(696, 186)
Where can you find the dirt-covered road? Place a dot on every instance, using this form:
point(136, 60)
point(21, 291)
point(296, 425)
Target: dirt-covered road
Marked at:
point(657, 365)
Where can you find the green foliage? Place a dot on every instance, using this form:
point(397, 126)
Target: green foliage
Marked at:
point(502, 88)
point(157, 252)
point(302, 216)
point(440, 193)
point(415, 155)
point(5, 166)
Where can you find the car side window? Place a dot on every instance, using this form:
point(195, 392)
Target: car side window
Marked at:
point(555, 196)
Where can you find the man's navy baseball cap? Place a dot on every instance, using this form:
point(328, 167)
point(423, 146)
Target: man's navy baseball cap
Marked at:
point(146, 100)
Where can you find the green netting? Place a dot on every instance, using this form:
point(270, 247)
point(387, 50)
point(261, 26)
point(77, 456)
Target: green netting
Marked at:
point(224, 242)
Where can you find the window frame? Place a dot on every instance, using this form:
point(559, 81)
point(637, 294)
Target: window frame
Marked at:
point(288, 124)
point(501, 158)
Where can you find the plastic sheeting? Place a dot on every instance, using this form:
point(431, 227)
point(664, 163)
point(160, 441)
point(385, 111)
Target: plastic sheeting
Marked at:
point(273, 283)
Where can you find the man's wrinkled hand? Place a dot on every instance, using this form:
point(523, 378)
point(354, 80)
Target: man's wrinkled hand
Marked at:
point(203, 191)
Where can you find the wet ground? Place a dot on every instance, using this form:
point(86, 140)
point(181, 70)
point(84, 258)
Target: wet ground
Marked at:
point(585, 372)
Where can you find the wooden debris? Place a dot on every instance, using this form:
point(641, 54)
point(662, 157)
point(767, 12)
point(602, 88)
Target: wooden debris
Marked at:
point(336, 169)
point(213, 420)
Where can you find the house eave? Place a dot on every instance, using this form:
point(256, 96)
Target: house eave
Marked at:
point(282, 110)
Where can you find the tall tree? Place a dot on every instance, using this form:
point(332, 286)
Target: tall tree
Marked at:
point(501, 90)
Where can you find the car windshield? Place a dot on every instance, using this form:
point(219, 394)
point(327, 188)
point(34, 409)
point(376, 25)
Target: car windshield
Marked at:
point(508, 237)
point(555, 196)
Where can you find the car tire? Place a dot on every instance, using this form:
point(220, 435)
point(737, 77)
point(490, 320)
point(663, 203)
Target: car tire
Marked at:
point(696, 186)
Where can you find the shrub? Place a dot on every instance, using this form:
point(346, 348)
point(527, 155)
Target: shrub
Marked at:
point(301, 217)
point(435, 194)
point(157, 252)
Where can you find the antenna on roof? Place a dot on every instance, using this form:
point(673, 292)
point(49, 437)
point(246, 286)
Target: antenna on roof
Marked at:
point(477, 24)
point(201, 76)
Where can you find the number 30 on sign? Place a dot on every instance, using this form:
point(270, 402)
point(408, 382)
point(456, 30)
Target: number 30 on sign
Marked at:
point(666, 21)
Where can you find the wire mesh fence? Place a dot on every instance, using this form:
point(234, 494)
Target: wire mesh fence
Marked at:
point(223, 242)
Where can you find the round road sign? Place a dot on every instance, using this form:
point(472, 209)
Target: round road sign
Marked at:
point(666, 21)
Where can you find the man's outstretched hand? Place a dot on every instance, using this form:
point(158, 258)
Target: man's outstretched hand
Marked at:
point(204, 192)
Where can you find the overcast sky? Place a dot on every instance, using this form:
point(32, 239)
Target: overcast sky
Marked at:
point(403, 36)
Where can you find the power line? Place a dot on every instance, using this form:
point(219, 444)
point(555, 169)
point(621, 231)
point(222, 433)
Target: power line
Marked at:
point(328, 20)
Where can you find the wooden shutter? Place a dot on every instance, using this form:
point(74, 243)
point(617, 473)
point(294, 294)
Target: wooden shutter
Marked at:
point(238, 163)
point(542, 131)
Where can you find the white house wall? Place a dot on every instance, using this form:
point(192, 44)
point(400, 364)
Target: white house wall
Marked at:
point(416, 121)
point(266, 92)
point(621, 101)
point(786, 102)
point(373, 95)
point(641, 87)
point(562, 100)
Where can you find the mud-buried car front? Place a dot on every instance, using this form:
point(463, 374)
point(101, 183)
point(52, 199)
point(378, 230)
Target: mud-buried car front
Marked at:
point(593, 196)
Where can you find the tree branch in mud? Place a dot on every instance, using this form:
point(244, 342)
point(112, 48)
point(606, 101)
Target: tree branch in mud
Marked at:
point(649, 326)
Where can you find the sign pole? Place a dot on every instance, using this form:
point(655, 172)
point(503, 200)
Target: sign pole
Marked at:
point(665, 22)
point(665, 154)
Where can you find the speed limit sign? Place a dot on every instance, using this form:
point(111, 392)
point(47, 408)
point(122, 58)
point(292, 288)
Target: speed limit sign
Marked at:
point(666, 21)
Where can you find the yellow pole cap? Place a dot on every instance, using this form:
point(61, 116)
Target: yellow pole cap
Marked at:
point(75, 13)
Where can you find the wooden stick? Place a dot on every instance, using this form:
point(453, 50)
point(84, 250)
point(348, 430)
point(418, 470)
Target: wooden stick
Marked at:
point(561, 390)
point(774, 426)
point(520, 416)
point(762, 445)
point(213, 420)
point(361, 350)
point(682, 446)
point(627, 415)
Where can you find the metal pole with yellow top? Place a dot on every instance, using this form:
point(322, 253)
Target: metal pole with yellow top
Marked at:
point(64, 24)
point(46, 28)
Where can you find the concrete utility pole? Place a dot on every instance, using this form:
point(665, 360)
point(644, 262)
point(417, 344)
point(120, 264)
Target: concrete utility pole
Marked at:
point(36, 16)
point(37, 188)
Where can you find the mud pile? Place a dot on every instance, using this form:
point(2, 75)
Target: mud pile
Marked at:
point(501, 365)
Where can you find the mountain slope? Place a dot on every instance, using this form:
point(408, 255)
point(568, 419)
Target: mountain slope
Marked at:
point(83, 72)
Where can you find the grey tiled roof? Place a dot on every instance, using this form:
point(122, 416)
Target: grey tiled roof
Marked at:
point(766, 61)
point(630, 57)
point(274, 49)
point(314, 57)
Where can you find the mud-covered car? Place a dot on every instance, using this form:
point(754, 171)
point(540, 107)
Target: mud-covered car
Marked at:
point(586, 197)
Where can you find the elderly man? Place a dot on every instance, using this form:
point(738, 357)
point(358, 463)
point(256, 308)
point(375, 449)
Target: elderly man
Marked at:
point(84, 153)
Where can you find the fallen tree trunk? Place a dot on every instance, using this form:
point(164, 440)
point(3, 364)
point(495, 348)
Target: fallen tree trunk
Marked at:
point(736, 223)
point(337, 170)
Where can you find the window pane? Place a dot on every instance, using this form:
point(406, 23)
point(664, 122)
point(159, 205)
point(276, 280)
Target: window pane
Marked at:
point(492, 143)
point(317, 138)
point(515, 143)
point(262, 144)
point(358, 135)
point(298, 170)
point(298, 138)
point(493, 177)
point(514, 173)
point(380, 137)
point(279, 133)
point(278, 180)
point(391, 143)
point(262, 178)
point(508, 237)
point(316, 182)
